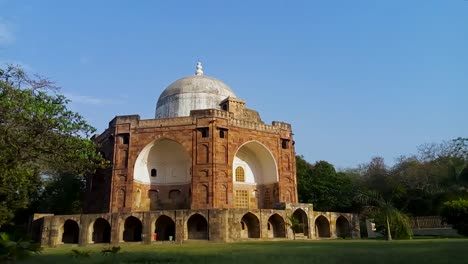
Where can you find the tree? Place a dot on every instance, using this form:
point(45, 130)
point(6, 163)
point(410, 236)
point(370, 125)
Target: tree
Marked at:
point(456, 213)
point(322, 186)
point(294, 224)
point(386, 214)
point(39, 136)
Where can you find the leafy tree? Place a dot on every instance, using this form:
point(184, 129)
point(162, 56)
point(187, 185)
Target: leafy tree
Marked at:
point(322, 186)
point(39, 136)
point(294, 224)
point(61, 194)
point(386, 215)
point(456, 213)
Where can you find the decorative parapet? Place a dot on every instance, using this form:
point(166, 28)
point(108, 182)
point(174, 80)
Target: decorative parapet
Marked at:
point(163, 122)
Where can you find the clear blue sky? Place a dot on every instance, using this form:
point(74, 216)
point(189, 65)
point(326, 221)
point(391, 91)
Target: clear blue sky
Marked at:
point(355, 78)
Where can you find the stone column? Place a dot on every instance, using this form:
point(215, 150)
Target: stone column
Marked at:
point(115, 229)
point(146, 234)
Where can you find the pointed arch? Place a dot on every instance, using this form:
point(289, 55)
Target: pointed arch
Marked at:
point(197, 227)
point(251, 226)
point(343, 228)
point(302, 217)
point(101, 232)
point(164, 228)
point(322, 227)
point(258, 162)
point(132, 229)
point(166, 159)
point(71, 232)
point(277, 226)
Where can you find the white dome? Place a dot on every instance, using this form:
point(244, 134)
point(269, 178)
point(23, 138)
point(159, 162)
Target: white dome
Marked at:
point(191, 93)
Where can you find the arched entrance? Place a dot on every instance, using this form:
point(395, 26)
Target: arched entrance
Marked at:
point(250, 226)
point(164, 228)
point(276, 226)
point(71, 232)
point(165, 162)
point(303, 228)
point(101, 231)
point(322, 227)
point(132, 229)
point(253, 165)
point(342, 227)
point(197, 227)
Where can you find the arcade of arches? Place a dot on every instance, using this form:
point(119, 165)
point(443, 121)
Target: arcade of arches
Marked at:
point(214, 224)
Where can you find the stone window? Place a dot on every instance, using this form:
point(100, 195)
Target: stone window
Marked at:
point(205, 132)
point(284, 143)
point(222, 133)
point(240, 175)
point(242, 199)
point(124, 139)
point(154, 173)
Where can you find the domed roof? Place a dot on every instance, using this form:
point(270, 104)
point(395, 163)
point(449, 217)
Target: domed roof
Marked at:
point(192, 93)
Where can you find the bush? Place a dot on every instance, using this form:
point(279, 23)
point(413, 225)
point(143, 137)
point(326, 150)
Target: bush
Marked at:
point(456, 213)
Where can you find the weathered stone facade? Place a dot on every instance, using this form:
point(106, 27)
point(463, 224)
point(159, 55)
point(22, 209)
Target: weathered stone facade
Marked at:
point(219, 174)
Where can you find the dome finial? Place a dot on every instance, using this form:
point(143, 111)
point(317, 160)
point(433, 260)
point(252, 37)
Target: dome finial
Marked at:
point(199, 69)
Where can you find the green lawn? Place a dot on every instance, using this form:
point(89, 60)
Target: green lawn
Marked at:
point(426, 251)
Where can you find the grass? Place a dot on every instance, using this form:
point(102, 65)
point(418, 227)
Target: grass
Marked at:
point(426, 251)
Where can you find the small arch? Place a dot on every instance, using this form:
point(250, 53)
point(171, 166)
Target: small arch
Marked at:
point(277, 226)
point(322, 227)
point(225, 193)
point(204, 195)
point(154, 197)
point(101, 231)
point(154, 173)
point(138, 198)
point(303, 227)
point(164, 228)
point(71, 232)
point(121, 198)
point(343, 228)
point(252, 225)
point(197, 227)
point(132, 229)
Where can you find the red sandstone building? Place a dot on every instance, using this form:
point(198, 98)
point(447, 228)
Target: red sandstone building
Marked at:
point(206, 167)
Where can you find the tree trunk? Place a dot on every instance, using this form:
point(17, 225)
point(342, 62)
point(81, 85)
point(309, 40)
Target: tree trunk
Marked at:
point(389, 234)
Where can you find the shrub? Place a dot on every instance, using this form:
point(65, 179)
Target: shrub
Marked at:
point(456, 213)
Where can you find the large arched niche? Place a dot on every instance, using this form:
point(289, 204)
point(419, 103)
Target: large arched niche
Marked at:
point(257, 162)
point(161, 162)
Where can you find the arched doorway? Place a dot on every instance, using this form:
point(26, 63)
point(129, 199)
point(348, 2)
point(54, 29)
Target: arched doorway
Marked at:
point(71, 232)
point(250, 226)
point(322, 227)
point(342, 227)
point(197, 227)
point(303, 228)
point(253, 165)
point(276, 226)
point(164, 228)
point(132, 229)
point(165, 163)
point(101, 231)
